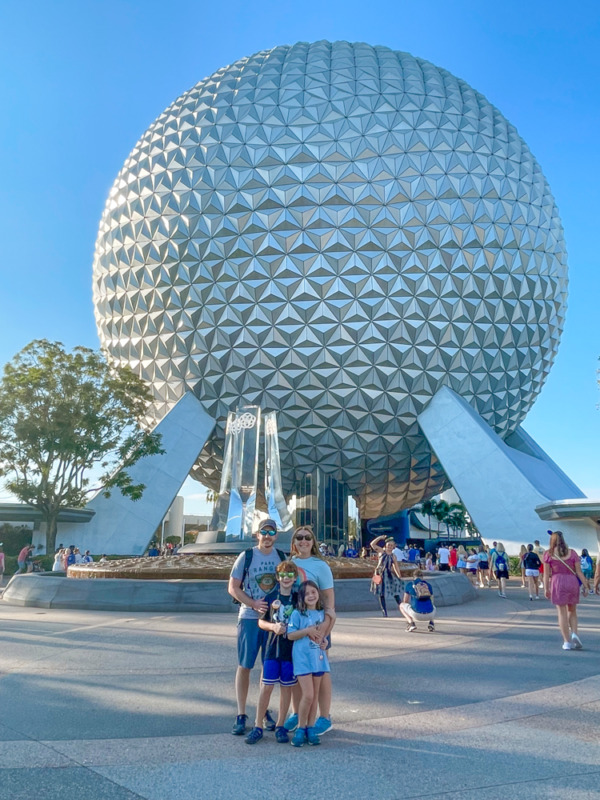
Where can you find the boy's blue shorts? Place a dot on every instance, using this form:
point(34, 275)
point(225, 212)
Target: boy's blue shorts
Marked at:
point(250, 641)
point(279, 672)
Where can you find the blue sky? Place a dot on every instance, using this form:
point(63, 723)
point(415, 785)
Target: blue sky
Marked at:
point(83, 80)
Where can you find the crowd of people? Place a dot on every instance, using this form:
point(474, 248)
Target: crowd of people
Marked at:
point(66, 557)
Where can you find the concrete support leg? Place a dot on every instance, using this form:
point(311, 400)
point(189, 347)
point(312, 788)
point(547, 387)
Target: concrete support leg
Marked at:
point(501, 484)
point(122, 526)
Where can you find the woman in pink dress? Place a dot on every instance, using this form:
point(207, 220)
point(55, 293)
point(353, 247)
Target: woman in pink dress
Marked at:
point(563, 579)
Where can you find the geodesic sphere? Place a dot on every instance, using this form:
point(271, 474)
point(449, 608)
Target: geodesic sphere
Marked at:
point(334, 231)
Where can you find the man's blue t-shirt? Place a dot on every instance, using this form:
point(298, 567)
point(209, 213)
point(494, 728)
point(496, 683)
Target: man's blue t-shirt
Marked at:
point(421, 605)
point(279, 648)
point(413, 554)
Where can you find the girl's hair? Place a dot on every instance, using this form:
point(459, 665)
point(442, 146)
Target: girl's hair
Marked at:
point(500, 548)
point(301, 599)
point(286, 566)
point(530, 548)
point(557, 542)
point(585, 553)
point(390, 539)
point(481, 549)
point(523, 549)
point(314, 550)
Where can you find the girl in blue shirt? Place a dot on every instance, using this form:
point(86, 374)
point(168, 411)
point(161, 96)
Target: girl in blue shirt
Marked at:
point(309, 659)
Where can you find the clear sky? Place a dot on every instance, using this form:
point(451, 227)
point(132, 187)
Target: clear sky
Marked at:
point(83, 79)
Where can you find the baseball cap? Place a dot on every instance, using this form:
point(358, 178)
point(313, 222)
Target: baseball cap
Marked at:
point(267, 524)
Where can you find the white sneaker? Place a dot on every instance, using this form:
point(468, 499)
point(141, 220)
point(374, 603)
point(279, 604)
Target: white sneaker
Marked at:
point(568, 646)
point(537, 597)
point(531, 597)
point(576, 642)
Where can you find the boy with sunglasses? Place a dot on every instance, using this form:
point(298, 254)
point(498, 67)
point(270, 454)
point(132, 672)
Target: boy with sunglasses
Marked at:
point(277, 666)
point(252, 578)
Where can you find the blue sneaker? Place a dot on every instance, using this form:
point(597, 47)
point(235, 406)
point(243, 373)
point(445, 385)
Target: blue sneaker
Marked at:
point(269, 722)
point(281, 735)
point(239, 726)
point(312, 737)
point(255, 735)
point(299, 737)
point(291, 723)
point(322, 725)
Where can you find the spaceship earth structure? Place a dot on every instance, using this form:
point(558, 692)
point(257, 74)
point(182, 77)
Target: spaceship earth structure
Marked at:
point(334, 231)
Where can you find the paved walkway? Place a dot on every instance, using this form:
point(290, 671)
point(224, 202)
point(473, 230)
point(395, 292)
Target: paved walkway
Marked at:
point(102, 706)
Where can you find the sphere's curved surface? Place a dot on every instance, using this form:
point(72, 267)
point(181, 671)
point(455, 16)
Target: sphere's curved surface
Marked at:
point(334, 231)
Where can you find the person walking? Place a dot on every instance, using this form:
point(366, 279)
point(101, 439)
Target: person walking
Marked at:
point(484, 567)
point(2, 562)
point(522, 554)
point(499, 565)
point(531, 565)
point(24, 559)
point(453, 558)
point(563, 579)
point(387, 579)
point(461, 564)
point(443, 558)
point(587, 567)
point(472, 566)
point(252, 577)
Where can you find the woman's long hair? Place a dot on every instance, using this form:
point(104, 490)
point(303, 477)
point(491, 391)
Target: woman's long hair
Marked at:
point(301, 598)
point(314, 550)
point(558, 545)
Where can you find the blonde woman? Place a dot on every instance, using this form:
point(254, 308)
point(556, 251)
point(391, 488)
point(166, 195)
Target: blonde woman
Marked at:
point(461, 564)
point(499, 567)
point(522, 554)
point(563, 579)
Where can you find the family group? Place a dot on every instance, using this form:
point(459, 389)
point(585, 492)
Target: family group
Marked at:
point(287, 612)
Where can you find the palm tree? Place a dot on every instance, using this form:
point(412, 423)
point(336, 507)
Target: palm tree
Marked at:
point(440, 512)
point(427, 508)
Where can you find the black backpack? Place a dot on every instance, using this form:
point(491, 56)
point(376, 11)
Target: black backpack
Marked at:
point(247, 561)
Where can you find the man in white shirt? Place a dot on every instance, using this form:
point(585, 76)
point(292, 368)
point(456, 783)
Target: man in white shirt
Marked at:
point(443, 558)
point(398, 553)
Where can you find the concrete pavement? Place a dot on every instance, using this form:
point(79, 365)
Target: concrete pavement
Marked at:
point(97, 705)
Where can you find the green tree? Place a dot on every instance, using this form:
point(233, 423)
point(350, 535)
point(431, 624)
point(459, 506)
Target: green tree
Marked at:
point(427, 508)
point(62, 415)
point(440, 512)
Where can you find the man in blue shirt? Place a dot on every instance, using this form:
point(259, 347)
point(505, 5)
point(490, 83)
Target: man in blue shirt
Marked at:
point(417, 604)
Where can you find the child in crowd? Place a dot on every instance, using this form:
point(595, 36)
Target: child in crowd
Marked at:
point(587, 567)
point(277, 666)
point(309, 658)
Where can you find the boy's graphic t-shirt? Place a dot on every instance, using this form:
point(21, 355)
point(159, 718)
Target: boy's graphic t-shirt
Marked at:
point(260, 578)
point(307, 656)
point(279, 648)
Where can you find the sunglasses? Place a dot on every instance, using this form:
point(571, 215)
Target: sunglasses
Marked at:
point(286, 574)
point(268, 532)
point(307, 538)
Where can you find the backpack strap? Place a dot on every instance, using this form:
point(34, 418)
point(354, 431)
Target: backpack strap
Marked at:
point(248, 555)
point(281, 554)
